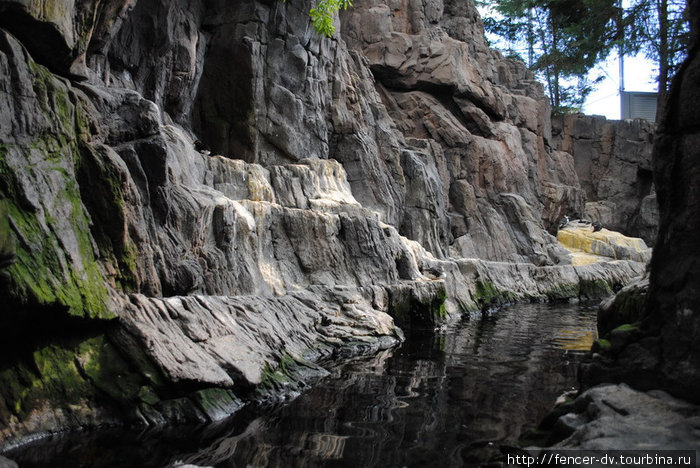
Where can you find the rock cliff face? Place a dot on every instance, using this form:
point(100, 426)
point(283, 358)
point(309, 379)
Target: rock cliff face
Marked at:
point(613, 162)
point(477, 122)
point(349, 179)
point(652, 329)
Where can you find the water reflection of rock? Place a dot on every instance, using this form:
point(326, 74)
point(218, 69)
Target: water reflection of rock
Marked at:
point(435, 401)
point(432, 401)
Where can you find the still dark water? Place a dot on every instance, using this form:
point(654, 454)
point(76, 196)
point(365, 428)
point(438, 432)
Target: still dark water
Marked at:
point(437, 400)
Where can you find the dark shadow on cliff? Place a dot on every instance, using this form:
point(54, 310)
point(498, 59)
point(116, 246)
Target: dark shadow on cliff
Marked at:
point(659, 347)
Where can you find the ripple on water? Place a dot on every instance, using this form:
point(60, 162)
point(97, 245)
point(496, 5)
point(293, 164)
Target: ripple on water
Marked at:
point(431, 402)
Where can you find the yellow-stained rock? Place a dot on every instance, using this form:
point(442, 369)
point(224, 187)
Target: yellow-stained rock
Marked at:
point(589, 247)
point(580, 258)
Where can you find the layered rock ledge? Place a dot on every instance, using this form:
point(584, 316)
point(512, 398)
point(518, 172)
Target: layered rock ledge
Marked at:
point(589, 246)
point(394, 176)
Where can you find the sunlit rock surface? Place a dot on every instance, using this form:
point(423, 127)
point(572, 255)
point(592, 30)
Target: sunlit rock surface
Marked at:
point(589, 246)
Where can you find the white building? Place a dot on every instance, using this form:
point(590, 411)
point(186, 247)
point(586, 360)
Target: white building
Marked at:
point(638, 105)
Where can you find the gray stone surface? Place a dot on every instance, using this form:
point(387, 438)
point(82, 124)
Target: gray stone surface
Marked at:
point(7, 463)
point(616, 417)
point(220, 341)
point(613, 162)
point(352, 180)
point(481, 122)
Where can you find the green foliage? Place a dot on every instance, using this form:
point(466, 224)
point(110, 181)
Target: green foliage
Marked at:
point(659, 29)
point(322, 16)
point(564, 39)
point(561, 40)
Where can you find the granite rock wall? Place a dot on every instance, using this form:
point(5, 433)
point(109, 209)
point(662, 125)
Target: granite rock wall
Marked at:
point(350, 178)
point(613, 162)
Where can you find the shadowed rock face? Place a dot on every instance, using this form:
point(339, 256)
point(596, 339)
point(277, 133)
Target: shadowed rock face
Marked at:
point(61, 34)
point(351, 175)
point(661, 349)
point(675, 295)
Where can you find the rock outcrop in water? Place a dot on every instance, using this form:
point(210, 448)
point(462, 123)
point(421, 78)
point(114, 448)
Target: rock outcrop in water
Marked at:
point(588, 245)
point(350, 178)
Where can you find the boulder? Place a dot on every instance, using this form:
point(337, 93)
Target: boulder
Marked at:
point(617, 417)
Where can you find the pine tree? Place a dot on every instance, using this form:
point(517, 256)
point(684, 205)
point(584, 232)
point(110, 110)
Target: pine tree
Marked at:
point(564, 39)
point(659, 28)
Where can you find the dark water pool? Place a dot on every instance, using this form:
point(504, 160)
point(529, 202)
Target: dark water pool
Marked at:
point(437, 400)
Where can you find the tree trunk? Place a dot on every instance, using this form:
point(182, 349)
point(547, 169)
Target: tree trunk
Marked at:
point(530, 40)
point(555, 66)
point(662, 11)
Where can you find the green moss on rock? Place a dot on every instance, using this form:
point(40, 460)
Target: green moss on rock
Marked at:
point(627, 307)
point(53, 374)
point(486, 293)
point(217, 403)
point(411, 307)
point(627, 327)
point(44, 275)
point(101, 184)
point(56, 262)
point(147, 395)
point(280, 376)
point(595, 289)
point(70, 380)
point(602, 345)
